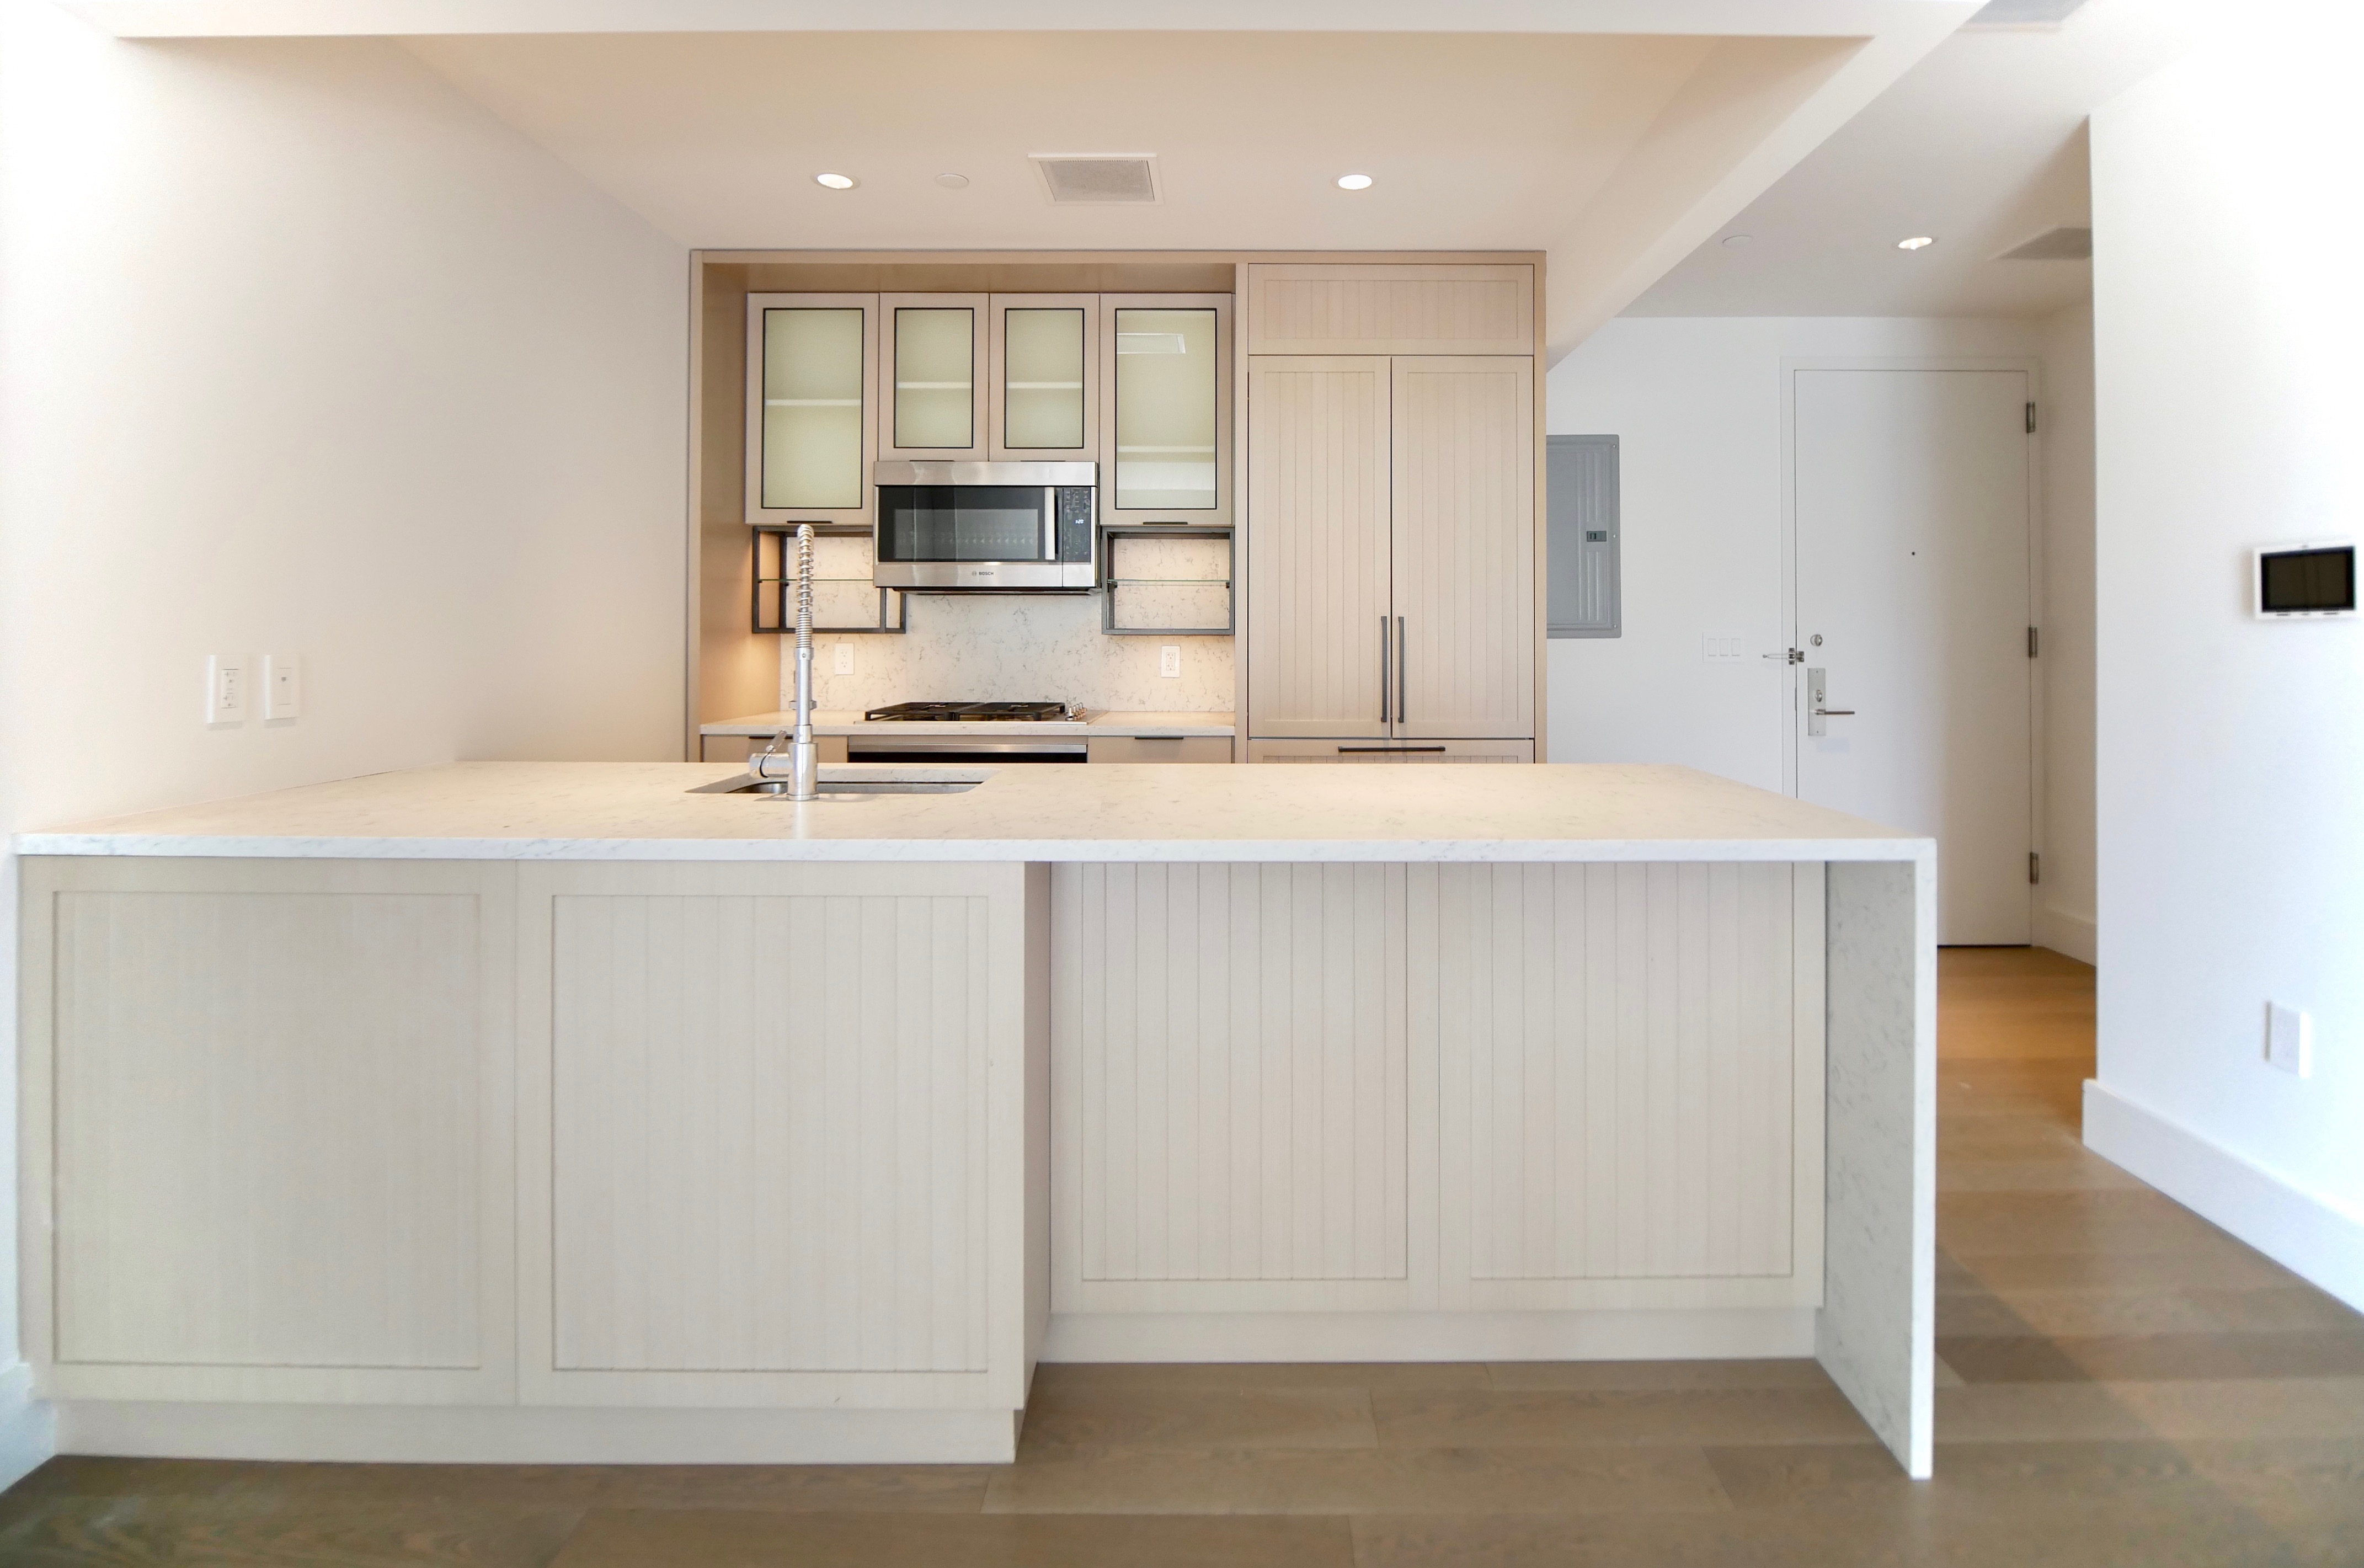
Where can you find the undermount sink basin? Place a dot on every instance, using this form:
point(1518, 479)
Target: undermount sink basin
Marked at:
point(842, 783)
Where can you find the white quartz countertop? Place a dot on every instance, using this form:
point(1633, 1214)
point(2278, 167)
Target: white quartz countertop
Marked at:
point(849, 721)
point(639, 811)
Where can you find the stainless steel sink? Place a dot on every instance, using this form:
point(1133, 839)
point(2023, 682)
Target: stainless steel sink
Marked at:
point(845, 784)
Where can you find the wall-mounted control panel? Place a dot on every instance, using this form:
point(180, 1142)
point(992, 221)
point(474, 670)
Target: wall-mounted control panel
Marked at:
point(2312, 579)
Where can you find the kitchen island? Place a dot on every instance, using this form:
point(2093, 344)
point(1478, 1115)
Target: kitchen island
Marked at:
point(549, 1112)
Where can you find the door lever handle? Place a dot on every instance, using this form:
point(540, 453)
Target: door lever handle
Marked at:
point(1835, 712)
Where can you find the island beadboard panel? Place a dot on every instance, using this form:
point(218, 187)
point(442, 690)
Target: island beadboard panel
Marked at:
point(1493, 1088)
point(1630, 1064)
point(767, 1116)
point(276, 1160)
point(1230, 1086)
point(774, 1124)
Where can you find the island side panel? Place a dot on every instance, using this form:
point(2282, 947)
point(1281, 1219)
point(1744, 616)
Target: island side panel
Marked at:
point(1875, 1335)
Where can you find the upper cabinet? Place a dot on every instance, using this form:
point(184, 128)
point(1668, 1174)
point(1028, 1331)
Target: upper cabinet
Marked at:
point(812, 406)
point(1166, 374)
point(934, 353)
point(1346, 309)
point(1139, 383)
point(1044, 377)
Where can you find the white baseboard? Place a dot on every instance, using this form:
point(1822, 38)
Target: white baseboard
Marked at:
point(421, 1434)
point(1723, 1334)
point(2297, 1230)
point(28, 1433)
point(2075, 935)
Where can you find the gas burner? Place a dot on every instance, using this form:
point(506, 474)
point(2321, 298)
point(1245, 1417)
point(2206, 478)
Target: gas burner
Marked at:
point(972, 712)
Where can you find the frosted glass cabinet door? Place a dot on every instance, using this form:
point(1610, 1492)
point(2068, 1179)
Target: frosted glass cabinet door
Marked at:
point(933, 354)
point(1046, 380)
point(1167, 364)
point(812, 414)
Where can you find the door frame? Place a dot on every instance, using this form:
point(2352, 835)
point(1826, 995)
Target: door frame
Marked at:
point(2039, 830)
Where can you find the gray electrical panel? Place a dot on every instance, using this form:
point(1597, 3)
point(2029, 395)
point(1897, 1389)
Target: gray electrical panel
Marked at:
point(1581, 538)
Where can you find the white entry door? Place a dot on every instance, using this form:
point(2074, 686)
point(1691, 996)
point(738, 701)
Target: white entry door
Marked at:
point(1913, 616)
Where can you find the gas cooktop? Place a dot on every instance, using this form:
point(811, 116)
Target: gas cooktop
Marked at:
point(973, 712)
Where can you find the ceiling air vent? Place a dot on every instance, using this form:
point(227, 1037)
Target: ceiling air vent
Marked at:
point(1099, 179)
point(2054, 245)
point(2023, 13)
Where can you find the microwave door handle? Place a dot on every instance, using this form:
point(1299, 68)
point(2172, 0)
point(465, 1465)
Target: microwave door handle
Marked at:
point(1050, 522)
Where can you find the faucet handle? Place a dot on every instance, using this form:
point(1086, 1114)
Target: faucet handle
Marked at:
point(771, 749)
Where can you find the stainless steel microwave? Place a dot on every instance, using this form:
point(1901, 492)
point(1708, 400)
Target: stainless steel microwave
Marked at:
point(987, 527)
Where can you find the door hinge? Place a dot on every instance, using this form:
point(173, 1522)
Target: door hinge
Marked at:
point(2031, 418)
point(2035, 866)
point(2031, 643)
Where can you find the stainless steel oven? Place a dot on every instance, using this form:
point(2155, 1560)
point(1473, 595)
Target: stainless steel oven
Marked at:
point(987, 527)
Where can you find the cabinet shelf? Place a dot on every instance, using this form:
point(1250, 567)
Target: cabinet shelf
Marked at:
point(1112, 535)
point(774, 612)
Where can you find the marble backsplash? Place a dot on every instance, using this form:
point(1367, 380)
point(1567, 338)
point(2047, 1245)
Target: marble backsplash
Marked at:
point(1026, 647)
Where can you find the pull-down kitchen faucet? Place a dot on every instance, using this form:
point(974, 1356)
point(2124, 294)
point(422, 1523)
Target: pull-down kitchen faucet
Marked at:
point(803, 756)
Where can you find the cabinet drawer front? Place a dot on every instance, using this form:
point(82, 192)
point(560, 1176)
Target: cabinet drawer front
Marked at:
point(1159, 749)
point(1391, 751)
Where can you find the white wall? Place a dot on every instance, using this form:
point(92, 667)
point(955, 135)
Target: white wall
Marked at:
point(1697, 404)
point(2064, 903)
point(301, 351)
point(2228, 332)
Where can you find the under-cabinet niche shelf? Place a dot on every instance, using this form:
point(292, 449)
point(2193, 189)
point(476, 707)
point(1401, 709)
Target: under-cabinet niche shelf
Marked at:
point(1168, 580)
point(845, 600)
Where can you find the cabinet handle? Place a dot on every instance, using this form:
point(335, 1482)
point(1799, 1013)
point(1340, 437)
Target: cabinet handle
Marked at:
point(1403, 663)
point(1386, 750)
point(1383, 669)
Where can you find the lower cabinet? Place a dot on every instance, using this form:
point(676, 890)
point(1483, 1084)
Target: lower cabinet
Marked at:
point(1391, 751)
point(1502, 1088)
point(382, 1133)
point(269, 1130)
point(773, 1128)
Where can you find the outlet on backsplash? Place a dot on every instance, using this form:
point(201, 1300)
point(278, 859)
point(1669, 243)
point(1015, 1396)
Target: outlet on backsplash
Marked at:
point(1019, 648)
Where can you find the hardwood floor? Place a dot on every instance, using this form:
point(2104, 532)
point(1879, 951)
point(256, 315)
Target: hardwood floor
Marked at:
point(2121, 1384)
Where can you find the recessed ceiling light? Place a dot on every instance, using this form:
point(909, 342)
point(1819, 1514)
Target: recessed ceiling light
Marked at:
point(1735, 241)
point(834, 181)
point(1354, 182)
point(952, 181)
point(1918, 242)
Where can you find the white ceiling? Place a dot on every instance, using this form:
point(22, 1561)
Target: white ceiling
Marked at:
point(1614, 136)
point(1981, 144)
point(1475, 142)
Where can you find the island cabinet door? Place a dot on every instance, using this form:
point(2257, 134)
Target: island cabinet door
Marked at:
point(1629, 1082)
point(1234, 1099)
point(772, 1135)
point(267, 1130)
point(1464, 547)
point(1321, 623)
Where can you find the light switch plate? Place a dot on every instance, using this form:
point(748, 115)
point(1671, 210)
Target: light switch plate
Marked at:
point(845, 658)
point(282, 686)
point(1170, 660)
point(225, 688)
point(1726, 647)
point(2290, 1041)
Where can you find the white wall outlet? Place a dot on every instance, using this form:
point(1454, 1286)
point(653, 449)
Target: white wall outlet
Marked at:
point(282, 686)
point(844, 657)
point(2290, 1041)
point(225, 688)
point(1726, 647)
point(1170, 660)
